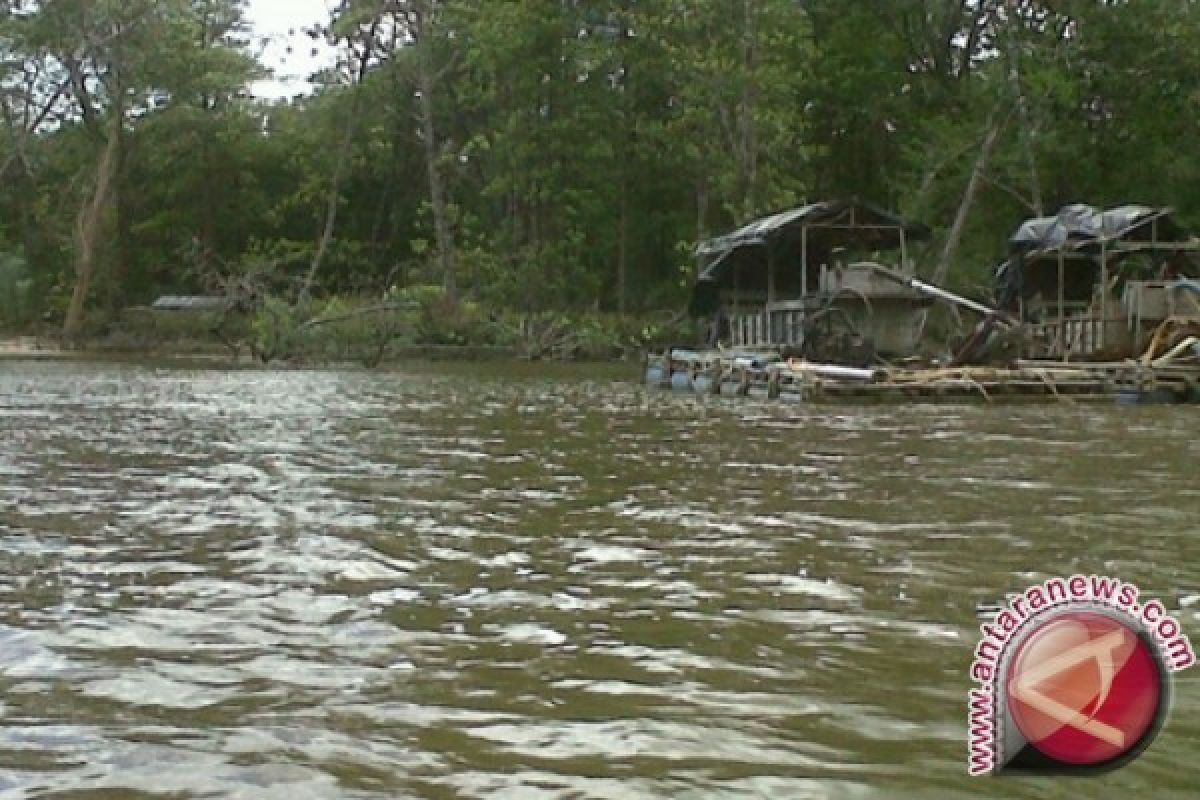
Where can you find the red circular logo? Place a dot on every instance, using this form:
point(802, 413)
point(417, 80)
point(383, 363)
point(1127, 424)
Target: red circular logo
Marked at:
point(1084, 689)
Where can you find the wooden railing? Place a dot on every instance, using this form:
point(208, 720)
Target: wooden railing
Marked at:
point(781, 324)
point(749, 330)
point(1079, 336)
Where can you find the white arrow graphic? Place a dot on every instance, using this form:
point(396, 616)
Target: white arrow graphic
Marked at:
point(1101, 650)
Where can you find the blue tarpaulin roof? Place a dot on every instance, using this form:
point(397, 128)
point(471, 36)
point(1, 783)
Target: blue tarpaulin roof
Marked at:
point(1079, 223)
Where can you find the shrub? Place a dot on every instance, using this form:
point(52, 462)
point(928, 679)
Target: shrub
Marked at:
point(17, 306)
point(342, 329)
point(437, 321)
point(597, 336)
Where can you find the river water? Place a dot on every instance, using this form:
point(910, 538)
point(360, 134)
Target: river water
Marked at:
point(536, 582)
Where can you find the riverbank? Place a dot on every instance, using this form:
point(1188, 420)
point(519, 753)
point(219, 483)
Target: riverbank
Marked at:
point(352, 332)
point(28, 348)
point(413, 325)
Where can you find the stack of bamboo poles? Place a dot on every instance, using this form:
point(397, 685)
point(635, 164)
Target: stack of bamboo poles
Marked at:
point(1174, 341)
point(1170, 366)
point(831, 380)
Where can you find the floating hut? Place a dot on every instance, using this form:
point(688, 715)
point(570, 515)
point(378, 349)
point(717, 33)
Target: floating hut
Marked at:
point(802, 281)
point(1103, 304)
point(1099, 285)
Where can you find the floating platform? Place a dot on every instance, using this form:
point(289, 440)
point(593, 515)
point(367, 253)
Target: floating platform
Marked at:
point(768, 374)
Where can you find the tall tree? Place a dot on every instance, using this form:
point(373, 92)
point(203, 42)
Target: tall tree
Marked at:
point(118, 62)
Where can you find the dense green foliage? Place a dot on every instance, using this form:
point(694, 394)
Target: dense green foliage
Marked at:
point(552, 155)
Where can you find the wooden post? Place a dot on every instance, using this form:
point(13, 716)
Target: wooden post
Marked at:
point(773, 387)
point(1062, 321)
point(1103, 343)
point(804, 263)
point(770, 274)
point(770, 293)
point(735, 288)
point(1021, 316)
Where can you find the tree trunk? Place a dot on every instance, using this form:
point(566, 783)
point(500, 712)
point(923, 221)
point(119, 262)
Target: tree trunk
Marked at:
point(749, 111)
point(994, 125)
point(1026, 124)
point(623, 250)
point(625, 153)
point(437, 190)
point(121, 256)
point(88, 227)
point(701, 221)
point(340, 167)
point(331, 206)
point(954, 237)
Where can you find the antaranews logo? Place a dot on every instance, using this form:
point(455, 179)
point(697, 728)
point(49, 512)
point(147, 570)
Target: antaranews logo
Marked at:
point(1073, 676)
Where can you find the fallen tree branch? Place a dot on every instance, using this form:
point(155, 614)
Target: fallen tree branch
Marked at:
point(360, 312)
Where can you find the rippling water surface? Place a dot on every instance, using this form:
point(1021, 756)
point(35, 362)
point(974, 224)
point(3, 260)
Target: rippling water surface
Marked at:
point(501, 582)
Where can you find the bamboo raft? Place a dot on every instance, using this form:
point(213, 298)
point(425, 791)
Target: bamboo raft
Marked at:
point(768, 375)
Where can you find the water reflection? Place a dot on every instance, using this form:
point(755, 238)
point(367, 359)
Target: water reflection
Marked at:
point(437, 583)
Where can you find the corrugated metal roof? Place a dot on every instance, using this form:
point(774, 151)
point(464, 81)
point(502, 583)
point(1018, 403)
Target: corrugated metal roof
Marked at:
point(761, 231)
point(790, 236)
